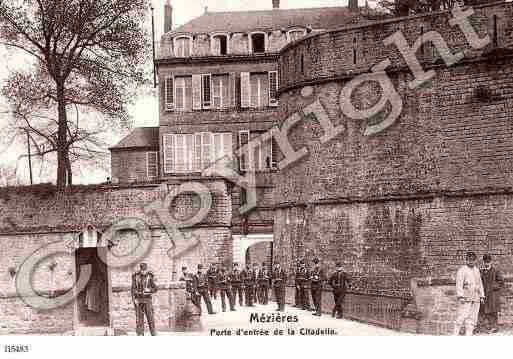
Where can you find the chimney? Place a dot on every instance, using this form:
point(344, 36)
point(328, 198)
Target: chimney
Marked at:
point(168, 17)
point(276, 4)
point(353, 5)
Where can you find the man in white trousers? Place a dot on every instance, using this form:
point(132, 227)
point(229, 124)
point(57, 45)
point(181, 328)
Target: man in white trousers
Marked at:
point(470, 293)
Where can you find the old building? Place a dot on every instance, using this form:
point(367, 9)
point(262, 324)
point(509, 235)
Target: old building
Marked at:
point(218, 81)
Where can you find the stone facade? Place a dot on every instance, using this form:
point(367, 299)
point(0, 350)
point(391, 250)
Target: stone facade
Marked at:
point(408, 202)
point(33, 218)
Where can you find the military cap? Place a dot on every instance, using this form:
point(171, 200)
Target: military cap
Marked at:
point(143, 266)
point(487, 258)
point(184, 268)
point(235, 264)
point(338, 264)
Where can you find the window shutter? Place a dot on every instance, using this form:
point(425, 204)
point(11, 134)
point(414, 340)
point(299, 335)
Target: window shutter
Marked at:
point(169, 93)
point(169, 153)
point(207, 149)
point(180, 153)
point(232, 90)
point(152, 165)
point(245, 90)
point(227, 145)
point(197, 152)
point(243, 157)
point(189, 152)
point(274, 154)
point(225, 93)
point(206, 90)
point(218, 146)
point(273, 88)
point(196, 92)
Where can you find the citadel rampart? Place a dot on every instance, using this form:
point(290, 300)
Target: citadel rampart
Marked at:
point(404, 204)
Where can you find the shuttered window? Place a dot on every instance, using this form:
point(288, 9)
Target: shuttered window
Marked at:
point(183, 47)
point(206, 90)
point(273, 88)
point(169, 93)
point(196, 92)
point(259, 90)
point(244, 153)
point(245, 90)
point(188, 153)
point(220, 91)
point(152, 165)
point(263, 155)
point(183, 93)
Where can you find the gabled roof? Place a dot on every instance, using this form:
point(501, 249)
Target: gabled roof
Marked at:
point(140, 137)
point(243, 21)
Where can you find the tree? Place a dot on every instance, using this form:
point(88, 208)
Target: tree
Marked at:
point(87, 53)
point(410, 7)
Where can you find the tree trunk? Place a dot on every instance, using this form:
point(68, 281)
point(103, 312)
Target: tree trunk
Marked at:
point(61, 138)
point(68, 169)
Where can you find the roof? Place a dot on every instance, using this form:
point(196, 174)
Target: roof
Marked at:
point(140, 137)
point(242, 21)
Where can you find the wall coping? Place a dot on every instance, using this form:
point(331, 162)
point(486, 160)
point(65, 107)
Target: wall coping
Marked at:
point(445, 281)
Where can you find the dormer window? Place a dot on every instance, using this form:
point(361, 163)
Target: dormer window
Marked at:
point(220, 44)
point(183, 46)
point(258, 42)
point(295, 34)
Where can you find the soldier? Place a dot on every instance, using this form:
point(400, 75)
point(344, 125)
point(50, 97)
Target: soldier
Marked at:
point(256, 270)
point(338, 281)
point(297, 304)
point(302, 279)
point(190, 289)
point(279, 280)
point(470, 293)
point(201, 283)
point(236, 280)
point(224, 286)
point(143, 287)
point(212, 273)
point(492, 285)
point(264, 282)
point(249, 285)
point(316, 280)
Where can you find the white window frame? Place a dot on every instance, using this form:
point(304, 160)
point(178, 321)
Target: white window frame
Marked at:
point(296, 29)
point(266, 41)
point(169, 106)
point(224, 102)
point(175, 39)
point(212, 36)
point(271, 102)
point(148, 154)
point(259, 90)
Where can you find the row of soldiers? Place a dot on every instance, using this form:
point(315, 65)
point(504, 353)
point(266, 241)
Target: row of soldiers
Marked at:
point(251, 285)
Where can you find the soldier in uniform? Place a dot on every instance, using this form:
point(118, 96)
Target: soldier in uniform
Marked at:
point(212, 273)
point(256, 298)
point(249, 285)
point(279, 280)
point(493, 283)
point(338, 281)
point(316, 280)
point(201, 283)
point(236, 280)
point(143, 287)
point(224, 286)
point(297, 304)
point(190, 289)
point(264, 282)
point(302, 279)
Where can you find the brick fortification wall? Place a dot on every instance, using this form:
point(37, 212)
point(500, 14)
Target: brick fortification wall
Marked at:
point(409, 201)
point(33, 217)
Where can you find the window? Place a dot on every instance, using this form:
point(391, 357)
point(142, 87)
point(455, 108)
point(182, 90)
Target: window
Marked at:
point(294, 35)
point(258, 43)
point(152, 165)
point(206, 88)
point(220, 45)
point(183, 93)
point(259, 90)
point(183, 46)
point(257, 155)
point(220, 95)
point(188, 153)
point(273, 88)
point(169, 93)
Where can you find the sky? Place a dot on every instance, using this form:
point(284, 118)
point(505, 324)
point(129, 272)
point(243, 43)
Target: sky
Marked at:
point(145, 111)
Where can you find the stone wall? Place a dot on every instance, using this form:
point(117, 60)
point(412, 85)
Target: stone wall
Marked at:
point(33, 218)
point(130, 166)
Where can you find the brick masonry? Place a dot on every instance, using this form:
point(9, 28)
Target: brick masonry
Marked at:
point(34, 217)
point(408, 202)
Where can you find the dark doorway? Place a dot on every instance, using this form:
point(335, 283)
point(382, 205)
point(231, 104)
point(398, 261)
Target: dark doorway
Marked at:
point(93, 301)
